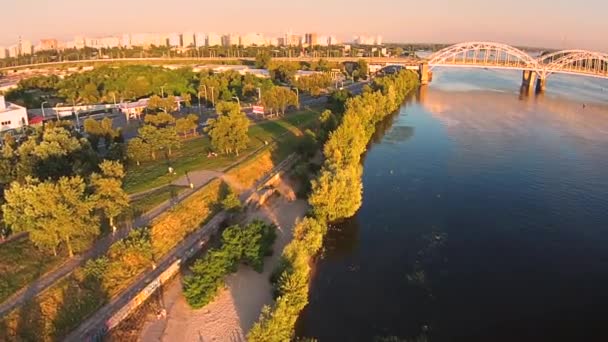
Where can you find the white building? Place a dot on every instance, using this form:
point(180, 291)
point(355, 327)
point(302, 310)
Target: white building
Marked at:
point(146, 40)
point(253, 39)
point(188, 39)
point(102, 42)
point(214, 39)
point(13, 51)
point(231, 39)
point(3, 53)
point(25, 47)
point(200, 39)
point(11, 115)
point(174, 40)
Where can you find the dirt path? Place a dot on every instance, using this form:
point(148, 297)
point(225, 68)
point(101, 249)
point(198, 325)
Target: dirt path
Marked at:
point(236, 308)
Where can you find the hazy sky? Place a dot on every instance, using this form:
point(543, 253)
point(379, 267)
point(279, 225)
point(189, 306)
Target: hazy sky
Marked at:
point(550, 23)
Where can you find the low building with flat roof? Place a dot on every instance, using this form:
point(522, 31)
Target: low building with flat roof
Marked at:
point(11, 115)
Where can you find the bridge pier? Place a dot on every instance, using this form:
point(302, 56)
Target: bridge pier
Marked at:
point(528, 81)
point(424, 73)
point(541, 84)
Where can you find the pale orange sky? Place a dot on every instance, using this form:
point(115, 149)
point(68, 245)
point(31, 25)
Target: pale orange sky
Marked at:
point(547, 23)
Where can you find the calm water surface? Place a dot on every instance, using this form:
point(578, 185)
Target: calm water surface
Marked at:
point(485, 218)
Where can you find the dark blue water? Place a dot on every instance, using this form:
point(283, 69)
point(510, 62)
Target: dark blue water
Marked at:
point(485, 218)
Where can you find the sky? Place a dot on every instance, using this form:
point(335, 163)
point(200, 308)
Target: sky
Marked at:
point(557, 24)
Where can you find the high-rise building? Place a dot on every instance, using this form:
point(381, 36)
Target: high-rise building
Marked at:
point(102, 42)
point(200, 39)
point(188, 39)
point(25, 47)
point(231, 39)
point(214, 39)
point(311, 39)
point(48, 44)
point(174, 40)
point(3, 53)
point(13, 51)
point(253, 39)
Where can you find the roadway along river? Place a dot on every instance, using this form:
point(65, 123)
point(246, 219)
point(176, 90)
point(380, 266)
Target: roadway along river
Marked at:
point(485, 218)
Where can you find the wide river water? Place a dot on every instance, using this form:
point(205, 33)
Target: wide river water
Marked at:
point(484, 218)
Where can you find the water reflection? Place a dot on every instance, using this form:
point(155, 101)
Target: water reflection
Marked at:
point(484, 219)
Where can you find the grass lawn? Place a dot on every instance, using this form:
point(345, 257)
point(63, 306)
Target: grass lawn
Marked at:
point(21, 263)
point(192, 155)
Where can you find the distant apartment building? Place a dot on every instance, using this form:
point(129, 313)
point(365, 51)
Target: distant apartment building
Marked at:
point(11, 115)
point(231, 39)
point(368, 40)
point(25, 47)
point(214, 39)
point(13, 51)
point(251, 39)
point(3, 53)
point(48, 44)
point(144, 40)
point(311, 39)
point(188, 39)
point(102, 42)
point(200, 39)
point(174, 40)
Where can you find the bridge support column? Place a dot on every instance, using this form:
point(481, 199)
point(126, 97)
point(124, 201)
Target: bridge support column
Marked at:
point(541, 84)
point(425, 74)
point(528, 81)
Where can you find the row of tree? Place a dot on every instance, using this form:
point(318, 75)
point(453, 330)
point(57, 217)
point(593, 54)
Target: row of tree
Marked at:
point(61, 213)
point(336, 194)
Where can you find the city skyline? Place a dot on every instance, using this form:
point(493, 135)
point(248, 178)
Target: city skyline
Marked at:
point(551, 24)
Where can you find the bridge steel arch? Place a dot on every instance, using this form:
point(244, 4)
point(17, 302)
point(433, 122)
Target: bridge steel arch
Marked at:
point(535, 70)
point(483, 55)
point(576, 62)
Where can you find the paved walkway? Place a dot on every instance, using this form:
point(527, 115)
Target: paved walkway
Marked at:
point(198, 178)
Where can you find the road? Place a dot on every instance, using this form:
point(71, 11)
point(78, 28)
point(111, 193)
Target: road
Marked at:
point(195, 60)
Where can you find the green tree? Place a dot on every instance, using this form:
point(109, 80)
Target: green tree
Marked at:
point(52, 213)
point(262, 60)
point(108, 194)
point(187, 125)
point(228, 132)
point(336, 194)
point(138, 150)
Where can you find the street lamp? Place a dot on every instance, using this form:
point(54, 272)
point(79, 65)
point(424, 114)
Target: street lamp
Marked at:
point(237, 100)
point(162, 91)
point(56, 111)
point(259, 95)
point(212, 98)
point(42, 107)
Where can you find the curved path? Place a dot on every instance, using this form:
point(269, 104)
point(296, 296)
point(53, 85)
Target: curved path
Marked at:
point(198, 178)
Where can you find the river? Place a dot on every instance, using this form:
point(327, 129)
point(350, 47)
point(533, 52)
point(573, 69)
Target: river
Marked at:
point(484, 218)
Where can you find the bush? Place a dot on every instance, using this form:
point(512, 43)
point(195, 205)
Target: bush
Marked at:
point(249, 245)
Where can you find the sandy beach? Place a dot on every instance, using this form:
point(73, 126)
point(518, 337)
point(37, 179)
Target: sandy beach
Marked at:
point(237, 307)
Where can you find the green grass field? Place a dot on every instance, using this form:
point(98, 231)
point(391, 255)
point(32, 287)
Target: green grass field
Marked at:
point(192, 155)
point(21, 263)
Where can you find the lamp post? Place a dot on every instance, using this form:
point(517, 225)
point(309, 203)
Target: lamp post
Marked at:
point(237, 101)
point(42, 108)
point(57, 113)
point(162, 91)
point(199, 103)
point(212, 98)
point(259, 95)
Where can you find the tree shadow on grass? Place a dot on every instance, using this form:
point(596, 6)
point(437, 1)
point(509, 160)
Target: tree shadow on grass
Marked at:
point(83, 296)
point(30, 324)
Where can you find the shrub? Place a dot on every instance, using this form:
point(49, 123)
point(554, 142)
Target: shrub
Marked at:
point(249, 244)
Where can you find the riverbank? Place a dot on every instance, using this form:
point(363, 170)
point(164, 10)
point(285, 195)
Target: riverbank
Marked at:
point(237, 307)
